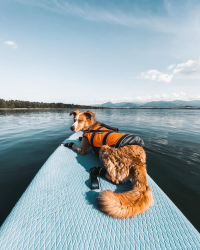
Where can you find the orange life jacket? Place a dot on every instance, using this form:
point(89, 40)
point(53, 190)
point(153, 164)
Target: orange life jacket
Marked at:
point(102, 134)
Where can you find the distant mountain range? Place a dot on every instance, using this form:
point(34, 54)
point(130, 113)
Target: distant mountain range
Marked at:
point(155, 104)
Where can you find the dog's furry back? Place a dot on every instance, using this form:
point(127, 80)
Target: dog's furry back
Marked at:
point(122, 164)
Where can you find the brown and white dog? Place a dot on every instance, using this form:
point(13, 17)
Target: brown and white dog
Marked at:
point(128, 162)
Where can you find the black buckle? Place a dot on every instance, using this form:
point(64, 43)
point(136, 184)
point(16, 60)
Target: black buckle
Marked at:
point(93, 182)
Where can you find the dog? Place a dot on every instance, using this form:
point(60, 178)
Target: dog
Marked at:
point(121, 164)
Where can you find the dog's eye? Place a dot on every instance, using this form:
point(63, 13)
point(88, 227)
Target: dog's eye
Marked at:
point(80, 120)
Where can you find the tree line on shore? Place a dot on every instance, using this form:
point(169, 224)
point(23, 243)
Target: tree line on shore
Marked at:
point(26, 104)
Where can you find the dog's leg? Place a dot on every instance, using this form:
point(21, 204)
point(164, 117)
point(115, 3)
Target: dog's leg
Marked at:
point(111, 174)
point(108, 165)
point(116, 163)
point(85, 146)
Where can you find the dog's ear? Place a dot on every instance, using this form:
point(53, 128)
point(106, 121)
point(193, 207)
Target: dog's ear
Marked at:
point(88, 114)
point(75, 113)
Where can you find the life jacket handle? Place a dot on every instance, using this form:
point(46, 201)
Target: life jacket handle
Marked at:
point(108, 127)
point(102, 131)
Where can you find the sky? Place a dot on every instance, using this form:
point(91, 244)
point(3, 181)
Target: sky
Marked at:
point(89, 52)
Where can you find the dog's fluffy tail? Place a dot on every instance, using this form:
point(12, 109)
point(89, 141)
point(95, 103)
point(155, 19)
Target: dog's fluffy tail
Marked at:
point(131, 203)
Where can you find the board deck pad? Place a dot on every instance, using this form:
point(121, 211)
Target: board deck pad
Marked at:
point(59, 211)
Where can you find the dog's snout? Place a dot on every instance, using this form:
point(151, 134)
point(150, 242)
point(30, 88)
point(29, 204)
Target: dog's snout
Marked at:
point(72, 128)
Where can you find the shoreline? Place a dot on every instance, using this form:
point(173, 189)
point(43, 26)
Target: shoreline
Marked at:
point(196, 108)
point(49, 108)
point(32, 108)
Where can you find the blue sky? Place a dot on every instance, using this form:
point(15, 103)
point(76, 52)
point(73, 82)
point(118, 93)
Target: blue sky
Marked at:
point(96, 51)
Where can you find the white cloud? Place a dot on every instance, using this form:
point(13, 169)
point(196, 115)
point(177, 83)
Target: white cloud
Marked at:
point(171, 66)
point(189, 63)
point(188, 68)
point(11, 43)
point(165, 78)
point(155, 75)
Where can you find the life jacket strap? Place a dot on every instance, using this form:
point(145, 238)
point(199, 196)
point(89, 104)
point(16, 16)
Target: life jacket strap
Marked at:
point(106, 136)
point(92, 139)
point(90, 127)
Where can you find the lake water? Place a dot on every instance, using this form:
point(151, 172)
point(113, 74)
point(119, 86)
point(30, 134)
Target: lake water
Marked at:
point(172, 144)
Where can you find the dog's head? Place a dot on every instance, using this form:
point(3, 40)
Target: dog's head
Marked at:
point(82, 120)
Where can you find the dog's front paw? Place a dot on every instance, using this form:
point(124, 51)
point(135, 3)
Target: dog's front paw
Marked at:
point(69, 144)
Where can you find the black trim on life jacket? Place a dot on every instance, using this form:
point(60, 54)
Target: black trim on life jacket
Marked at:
point(105, 137)
point(95, 149)
point(117, 144)
point(92, 139)
point(127, 139)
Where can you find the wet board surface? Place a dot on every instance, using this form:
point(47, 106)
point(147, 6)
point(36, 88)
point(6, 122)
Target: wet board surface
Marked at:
point(58, 211)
